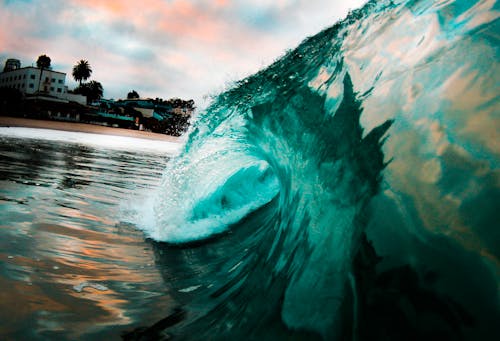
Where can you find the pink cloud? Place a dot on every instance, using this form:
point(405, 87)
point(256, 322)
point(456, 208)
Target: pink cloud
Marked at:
point(182, 48)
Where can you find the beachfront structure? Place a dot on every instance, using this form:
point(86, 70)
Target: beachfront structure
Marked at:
point(170, 117)
point(151, 108)
point(31, 80)
point(12, 64)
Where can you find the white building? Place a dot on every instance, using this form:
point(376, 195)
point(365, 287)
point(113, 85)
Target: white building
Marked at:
point(32, 80)
point(28, 81)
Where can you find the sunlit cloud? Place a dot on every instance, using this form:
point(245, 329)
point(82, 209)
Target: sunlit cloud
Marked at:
point(165, 49)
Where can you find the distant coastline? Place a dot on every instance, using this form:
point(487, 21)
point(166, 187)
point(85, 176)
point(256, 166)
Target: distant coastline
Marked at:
point(6, 121)
point(41, 92)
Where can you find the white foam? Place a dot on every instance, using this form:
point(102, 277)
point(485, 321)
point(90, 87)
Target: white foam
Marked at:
point(191, 288)
point(80, 287)
point(96, 140)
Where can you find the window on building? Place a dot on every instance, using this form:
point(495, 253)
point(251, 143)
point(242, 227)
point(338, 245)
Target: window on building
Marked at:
point(45, 88)
point(32, 85)
point(59, 90)
point(46, 79)
point(60, 81)
point(32, 76)
point(51, 88)
point(53, 80)
point(24, 76)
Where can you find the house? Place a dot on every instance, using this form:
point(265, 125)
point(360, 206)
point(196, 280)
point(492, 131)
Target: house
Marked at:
point(171, 117)
point(32, 81)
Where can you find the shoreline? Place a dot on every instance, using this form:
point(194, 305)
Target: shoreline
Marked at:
point(7, 121)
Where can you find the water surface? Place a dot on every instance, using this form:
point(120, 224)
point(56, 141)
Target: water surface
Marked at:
point(70, 267)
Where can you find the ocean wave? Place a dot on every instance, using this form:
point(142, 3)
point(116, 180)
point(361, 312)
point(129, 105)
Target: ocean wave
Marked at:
point(347, 191)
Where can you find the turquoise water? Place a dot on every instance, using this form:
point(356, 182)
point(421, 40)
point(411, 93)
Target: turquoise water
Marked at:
point(348, 191)
point(351, 189)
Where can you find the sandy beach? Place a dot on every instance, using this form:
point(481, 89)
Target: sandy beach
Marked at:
point(82, 127)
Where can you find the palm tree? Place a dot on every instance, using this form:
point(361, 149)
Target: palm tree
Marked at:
point(95, 90)
point(43, 62)
point(92, 90)
point(82, 71)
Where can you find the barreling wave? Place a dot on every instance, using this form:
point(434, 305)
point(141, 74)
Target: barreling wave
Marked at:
point(347, 191)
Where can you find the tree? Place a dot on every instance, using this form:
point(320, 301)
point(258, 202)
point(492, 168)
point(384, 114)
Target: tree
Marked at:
point(43, 62)
point(82, 71)
point(132, 95)
point(93, 90)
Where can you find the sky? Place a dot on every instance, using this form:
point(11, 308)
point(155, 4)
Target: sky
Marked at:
point(190, 49)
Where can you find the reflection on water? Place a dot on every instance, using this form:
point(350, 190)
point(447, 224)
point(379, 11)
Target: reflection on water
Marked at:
point(60, 230)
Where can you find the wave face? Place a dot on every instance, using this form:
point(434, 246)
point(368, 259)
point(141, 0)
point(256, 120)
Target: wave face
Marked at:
point(349, 190)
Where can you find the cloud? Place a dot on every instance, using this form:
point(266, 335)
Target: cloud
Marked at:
point(160, 48)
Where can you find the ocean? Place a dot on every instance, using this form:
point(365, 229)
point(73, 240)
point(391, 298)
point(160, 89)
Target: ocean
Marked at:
point(70, 267)
point(349, 191)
